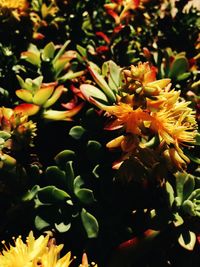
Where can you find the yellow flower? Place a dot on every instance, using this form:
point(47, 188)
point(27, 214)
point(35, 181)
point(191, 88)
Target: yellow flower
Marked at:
point(131, 120)
point(34, 253)
point(168, 117)
point(16, 7)
point(14, 4)
point(142, 79)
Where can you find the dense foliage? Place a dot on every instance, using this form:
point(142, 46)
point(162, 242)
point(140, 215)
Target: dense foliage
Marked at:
point(99, 129)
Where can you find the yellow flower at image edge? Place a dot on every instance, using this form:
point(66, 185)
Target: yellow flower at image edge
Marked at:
point(34, 253)
point(14, 4)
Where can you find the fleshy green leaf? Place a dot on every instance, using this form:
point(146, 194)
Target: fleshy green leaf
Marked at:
point(189, 207)
point(103, 84)
point(51, 194)
point(40, 223)
point(78, 183)
point(89, 91)
point(179, 66)
point(70, 175)
point(25, 95)
point(188, 186)
point(62, 228)
point(48, 52)
point(187, 240)
point(90, 224)
point(85, 195)
point(178, 220)
point(180, 180)
point(170, 192)
point(56, 177)
point(31, 57)
point(112, 71)
point(42, 95)
point(64, 156)
point(77, 132)
point(31, 193)
point(82, 50)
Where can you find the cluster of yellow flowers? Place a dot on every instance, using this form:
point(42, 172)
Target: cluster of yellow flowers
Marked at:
point(40, 252)
point(17, 7)
point(148, 108)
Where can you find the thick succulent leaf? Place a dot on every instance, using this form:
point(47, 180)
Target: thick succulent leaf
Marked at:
point(195, 195)
point(187, 240)
point(51, 194)
point(61, 51)
point(59, 65)
point(77, 132)
point(78, 183)
point(63, 157)
point(178, 220)
point(85, 195)
point(28, 109)
point(42, 95)
point(62, 227)
point(22, 83)
point(189, 207)
point(90, 224)
point(89, 91)
point(48, 52)
point(188, 186)
point(183, 193)
point(56, 177)
point(170, 192)
point(31, 57)
point(57, 115)
point(30, 194)
point(103, 84)
point(82, 50)
point(40, 223)
point(179, 66)
point(55, 96)
point(70, 175)
point(111, 70)
point(36, 83)
point(25, 95)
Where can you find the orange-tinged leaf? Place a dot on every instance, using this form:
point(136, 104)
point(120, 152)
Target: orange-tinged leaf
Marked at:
point(27, 109)
point(58, 115)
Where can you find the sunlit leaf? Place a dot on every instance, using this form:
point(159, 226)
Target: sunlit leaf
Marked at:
point(40, 223)
point(187, 240)
point(62, 227)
